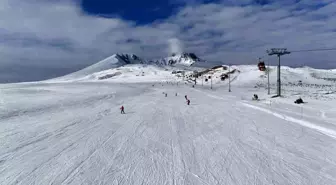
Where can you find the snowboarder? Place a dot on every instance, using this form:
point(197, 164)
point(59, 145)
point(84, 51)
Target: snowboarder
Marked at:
point(188, 102)
point(122, 110)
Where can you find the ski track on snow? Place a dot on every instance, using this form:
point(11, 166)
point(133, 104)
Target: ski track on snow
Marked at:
point(323, 130)
point(308, 124)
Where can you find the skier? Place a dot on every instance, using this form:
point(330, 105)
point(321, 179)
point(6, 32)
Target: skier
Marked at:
point(122, 110)
point(188, 102)
point(186, 97)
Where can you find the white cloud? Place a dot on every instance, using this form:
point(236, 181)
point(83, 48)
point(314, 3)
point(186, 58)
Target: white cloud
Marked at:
point(58, 33)
point(253, 29)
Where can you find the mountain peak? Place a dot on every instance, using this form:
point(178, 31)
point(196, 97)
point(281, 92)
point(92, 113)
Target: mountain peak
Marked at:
point(185, 59)
point(191, 55)
point(185, 55)
point(129, 58)
point(122, 59)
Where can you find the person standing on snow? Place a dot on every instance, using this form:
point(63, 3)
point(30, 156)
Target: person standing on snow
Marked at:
point(122, 110)
point(188, 102)
point(186, 97)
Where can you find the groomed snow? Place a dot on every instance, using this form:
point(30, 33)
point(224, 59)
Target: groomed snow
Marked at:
point(69, 130)
point(73, 133)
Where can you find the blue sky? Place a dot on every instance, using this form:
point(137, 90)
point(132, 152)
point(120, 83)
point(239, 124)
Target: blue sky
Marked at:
point(141, 12)
point(45, 38)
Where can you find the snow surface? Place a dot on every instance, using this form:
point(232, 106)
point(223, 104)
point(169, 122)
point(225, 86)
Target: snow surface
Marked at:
point(70, 131)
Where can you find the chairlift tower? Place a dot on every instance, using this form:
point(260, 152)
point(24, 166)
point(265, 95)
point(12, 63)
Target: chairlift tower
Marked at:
point(279, 52)
point(268, 79)
point(211, 82)
point(268, 72)
point(229, 78)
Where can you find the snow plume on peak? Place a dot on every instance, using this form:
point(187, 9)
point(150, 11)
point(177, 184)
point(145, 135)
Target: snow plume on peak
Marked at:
point(175, 46)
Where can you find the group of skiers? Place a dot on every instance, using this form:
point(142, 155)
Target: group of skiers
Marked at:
point(297, 101)
point(122, 108)
point(188, 101)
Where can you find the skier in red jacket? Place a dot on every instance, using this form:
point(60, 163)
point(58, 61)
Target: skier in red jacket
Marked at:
point(122, 110)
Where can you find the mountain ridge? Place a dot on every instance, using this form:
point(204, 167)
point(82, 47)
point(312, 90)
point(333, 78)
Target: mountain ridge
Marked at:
point(123, 59)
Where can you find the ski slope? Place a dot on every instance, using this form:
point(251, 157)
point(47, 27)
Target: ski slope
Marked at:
point(73, 133)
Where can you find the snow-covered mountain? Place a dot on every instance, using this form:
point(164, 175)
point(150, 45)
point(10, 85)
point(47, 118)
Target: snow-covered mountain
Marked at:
point(119, 60)
point(132, 69)
point(184, 59)
point(129, 68)
point(114, 61)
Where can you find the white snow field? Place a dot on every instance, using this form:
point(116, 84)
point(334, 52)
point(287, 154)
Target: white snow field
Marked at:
point(73, 133)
